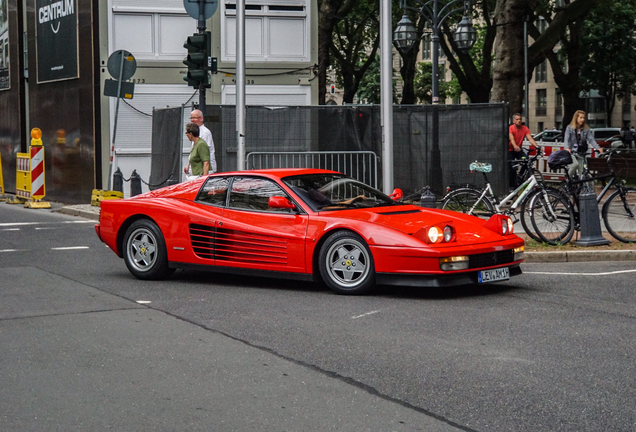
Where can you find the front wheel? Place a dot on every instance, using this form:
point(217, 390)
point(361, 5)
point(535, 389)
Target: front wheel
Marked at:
point(145, 251)
point(619, 215)
point(470, 202)
point(346, 264)
point(552, 217)
point(526, 212)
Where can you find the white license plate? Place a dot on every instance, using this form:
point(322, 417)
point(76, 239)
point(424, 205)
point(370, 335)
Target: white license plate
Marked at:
point(494, 275)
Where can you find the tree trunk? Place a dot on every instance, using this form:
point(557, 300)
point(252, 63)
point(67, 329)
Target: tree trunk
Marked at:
point(508, 73)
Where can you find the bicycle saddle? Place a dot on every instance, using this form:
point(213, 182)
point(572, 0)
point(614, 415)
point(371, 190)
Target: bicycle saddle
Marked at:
point(481, 167)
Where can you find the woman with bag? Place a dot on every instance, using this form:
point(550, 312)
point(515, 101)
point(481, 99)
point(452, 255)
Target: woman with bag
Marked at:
point(578, 137)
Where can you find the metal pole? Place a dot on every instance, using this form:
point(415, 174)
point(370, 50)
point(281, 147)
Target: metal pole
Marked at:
point(201, 28)
point(240, 85)
point(435, 172)
point(113, 159)
point(386, 95)
point(525, 68)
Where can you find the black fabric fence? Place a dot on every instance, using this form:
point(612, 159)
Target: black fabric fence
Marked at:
point(465, 133)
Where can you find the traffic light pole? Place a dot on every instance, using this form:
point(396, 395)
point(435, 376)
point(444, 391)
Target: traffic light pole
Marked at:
point(201, 28)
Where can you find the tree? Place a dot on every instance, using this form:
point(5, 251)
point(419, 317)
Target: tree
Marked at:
point(563, 25)
point(329, 13)
point(424, 85)
point(610, 47)
point(354, 46)
point(369, 89)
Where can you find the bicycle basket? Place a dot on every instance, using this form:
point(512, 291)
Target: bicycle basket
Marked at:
point(559, 159)
point(481, 167)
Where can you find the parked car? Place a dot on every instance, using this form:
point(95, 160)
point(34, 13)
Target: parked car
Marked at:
point(306, 224)
point(602, 135)
point(549, 136)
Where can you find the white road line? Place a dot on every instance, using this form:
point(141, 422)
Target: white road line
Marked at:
point(11, 229)
point(365, 314)
point(69, 248)
point(8, 224)
point(582, 274)
point(45, 228)
point(11, 250)
point(144, 301)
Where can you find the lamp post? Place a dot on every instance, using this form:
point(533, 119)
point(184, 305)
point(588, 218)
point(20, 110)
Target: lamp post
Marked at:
point(404, 37)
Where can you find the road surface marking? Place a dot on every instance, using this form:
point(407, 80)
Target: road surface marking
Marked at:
point(144, 301)
point(582, 274)
point(11, 229)
point(70, 248)
point(9, 224)
point(365, 314)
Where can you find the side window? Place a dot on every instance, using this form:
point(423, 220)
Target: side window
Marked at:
point(214, 191)
point(253, 194)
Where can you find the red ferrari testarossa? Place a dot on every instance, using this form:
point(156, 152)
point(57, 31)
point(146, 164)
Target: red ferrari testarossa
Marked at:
point(307, 224)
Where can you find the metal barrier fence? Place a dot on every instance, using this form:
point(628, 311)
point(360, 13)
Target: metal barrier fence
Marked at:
point(361, 165)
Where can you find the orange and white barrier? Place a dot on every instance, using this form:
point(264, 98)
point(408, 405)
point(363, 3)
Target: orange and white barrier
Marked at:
point(30, 174)
point(1, 180)
point(542, 162)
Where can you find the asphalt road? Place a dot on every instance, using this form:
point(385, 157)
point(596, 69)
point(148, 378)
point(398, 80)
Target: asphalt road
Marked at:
point(87, 346)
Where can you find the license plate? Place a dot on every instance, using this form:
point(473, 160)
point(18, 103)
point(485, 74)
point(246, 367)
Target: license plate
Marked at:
point(494, 275)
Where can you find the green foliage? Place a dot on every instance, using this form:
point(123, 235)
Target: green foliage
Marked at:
point(609, 44)
point(423, 83)
point(369, 88)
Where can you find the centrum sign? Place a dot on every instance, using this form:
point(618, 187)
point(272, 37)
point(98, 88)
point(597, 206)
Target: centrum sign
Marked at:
point(57, 48)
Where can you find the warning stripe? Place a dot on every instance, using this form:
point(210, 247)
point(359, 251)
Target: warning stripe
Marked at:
point(37, 172)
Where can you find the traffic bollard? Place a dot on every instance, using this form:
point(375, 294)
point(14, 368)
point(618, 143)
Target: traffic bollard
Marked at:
point(118, 181)
point(135, 184)
point(428, 198)
point(591, 234)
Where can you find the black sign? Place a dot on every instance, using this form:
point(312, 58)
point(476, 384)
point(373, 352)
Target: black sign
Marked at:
point(56, 24)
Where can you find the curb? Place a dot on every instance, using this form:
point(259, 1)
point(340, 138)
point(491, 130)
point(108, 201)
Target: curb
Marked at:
point(81, 212)
point(579, 256)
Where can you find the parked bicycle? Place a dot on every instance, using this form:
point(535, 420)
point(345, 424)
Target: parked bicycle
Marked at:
point(557, 225)
point(482, 202)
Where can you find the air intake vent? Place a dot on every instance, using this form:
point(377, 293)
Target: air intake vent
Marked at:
point(490, 259)
point(203, 239)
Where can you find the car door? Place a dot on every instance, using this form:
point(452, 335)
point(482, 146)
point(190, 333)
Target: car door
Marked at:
point(254, 235)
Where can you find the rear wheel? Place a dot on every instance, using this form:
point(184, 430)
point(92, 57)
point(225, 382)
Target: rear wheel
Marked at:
point(145, 251)
point(346, 264)
point(470, 202)
point(619, 215)
point(524, 216)
point(552, 217)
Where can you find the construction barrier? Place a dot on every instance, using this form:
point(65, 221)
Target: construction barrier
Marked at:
point(100, 195)
point(2, 198)
point(29, 182)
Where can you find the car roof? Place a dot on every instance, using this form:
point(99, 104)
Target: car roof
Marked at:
point(278, 172)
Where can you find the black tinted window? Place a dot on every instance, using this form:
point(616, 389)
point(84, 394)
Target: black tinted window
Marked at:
point(214, 191)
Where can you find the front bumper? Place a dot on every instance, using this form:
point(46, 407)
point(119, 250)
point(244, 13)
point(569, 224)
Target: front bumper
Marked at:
point(435, 280)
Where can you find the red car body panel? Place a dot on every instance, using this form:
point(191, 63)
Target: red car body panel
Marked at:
point(289, 243)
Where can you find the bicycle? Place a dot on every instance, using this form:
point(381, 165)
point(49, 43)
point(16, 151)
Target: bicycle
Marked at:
point(484, 203)
point(618, 211)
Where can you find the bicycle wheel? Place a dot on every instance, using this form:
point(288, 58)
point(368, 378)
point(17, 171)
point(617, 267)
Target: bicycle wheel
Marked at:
point(524, 216)
point(616, 215)
point(468, 201)
point(552, 217)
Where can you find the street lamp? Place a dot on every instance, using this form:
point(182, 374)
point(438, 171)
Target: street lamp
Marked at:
point(404, 37)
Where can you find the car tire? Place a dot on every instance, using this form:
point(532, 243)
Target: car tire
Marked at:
point(145, 251)
point(346, 264)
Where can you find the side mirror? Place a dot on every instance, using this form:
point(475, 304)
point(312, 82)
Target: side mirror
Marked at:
point(397, 194)
point(280, 202)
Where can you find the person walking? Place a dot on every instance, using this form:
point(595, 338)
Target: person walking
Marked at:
point(578, 137)
point(199, 161)
point(196, 117)
point(516, 134)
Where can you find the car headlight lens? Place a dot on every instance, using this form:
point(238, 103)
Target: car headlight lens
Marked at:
point(448, 233)
point(454, 263)
point(518, 253)
point(435, 234)
point(504, 226)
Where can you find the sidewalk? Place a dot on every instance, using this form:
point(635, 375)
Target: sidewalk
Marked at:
point(590, 254)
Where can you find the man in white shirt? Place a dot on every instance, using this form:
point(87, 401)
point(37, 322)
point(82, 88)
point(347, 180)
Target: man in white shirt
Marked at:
point(196, 117)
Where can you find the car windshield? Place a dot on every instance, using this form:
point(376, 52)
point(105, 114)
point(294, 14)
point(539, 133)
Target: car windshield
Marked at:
point(336, 192)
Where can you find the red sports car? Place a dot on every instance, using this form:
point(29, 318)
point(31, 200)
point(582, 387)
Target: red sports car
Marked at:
point(307, 224)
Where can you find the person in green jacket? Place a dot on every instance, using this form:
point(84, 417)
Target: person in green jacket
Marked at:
point(199, 155)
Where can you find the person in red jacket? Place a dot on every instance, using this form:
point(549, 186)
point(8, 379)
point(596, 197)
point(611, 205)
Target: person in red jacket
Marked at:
point(516, 134)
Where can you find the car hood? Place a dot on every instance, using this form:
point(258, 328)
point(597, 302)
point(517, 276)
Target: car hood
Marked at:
point(410, 219)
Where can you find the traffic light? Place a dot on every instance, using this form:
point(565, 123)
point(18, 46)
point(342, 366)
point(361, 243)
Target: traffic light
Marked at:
point(199, 62)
